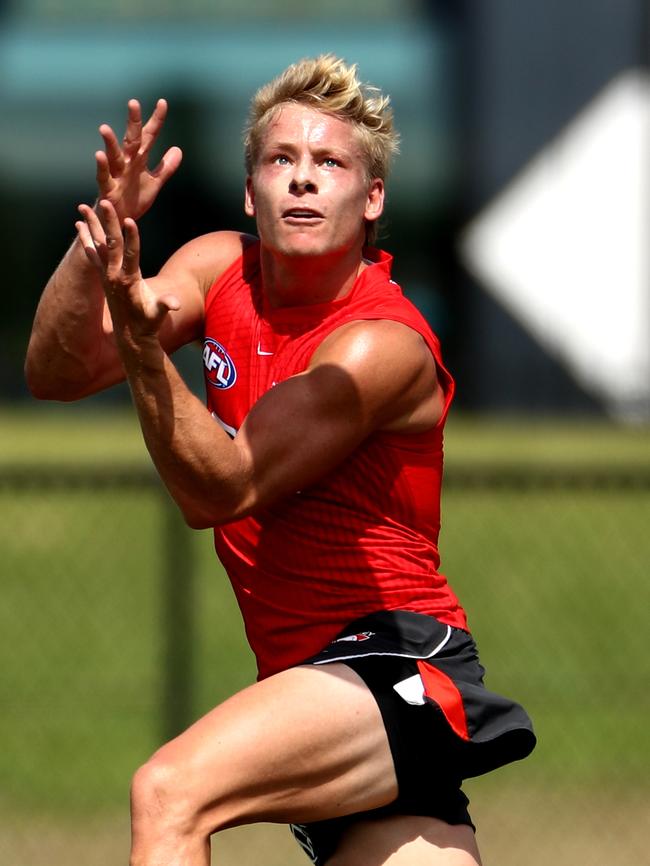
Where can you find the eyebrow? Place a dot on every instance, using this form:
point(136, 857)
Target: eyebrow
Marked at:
point(317, 150)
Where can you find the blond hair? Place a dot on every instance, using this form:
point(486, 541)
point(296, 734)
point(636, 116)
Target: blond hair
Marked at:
point(328, 84)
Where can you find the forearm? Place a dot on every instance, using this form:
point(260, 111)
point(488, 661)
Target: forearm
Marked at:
point(70, 353)
point(68, 343)
point(200, 465)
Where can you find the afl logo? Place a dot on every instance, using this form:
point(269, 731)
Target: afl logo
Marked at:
point(219, 368)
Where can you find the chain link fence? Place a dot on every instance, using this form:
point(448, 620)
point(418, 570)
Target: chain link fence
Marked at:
point(118, 628)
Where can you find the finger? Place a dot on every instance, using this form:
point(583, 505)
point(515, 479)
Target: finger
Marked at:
point(93, 236)
point(131, 254)
point(133, 135)
point(114, 242)
point(103, 173)
point(153, 126)
point(113, 150)
point(94, 226)
point(87, 244)
point(168, 164)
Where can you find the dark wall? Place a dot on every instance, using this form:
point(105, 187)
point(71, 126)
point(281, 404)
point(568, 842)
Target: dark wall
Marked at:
point(514, 74)
point(524, 71)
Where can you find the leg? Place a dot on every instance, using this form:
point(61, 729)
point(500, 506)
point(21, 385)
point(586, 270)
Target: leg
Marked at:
point(305, 745)
point(406, 840)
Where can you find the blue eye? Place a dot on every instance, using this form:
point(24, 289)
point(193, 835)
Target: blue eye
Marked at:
point(281, 160)
point(330, 162)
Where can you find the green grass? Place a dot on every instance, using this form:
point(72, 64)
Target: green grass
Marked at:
point(559, 442)
point(554, 581)
point(54, 433)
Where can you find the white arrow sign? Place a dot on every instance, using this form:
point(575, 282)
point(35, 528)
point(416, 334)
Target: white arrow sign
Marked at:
point(566, 247)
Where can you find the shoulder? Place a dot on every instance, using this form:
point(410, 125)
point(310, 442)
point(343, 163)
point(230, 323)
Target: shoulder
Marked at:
point(374, 339)
point(393, 370)
point(208, 256)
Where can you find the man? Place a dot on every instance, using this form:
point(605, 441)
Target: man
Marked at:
point(318, 461)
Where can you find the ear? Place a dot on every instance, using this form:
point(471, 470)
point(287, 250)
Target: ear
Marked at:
point(249, 198)
point(375, 200)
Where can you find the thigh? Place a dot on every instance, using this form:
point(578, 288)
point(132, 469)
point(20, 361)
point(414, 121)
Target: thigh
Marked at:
point(304, 745)
point(406, 840)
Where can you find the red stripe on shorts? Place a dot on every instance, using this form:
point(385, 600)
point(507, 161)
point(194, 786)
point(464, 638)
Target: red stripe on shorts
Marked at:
point(440, 689)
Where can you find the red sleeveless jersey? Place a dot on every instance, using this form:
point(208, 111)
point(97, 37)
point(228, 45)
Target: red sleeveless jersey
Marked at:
point(363, 538)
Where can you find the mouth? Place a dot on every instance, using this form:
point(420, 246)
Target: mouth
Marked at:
point(302, 215)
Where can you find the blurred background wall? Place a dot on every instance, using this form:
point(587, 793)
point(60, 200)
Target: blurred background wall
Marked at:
point(518, 210)
point(519, 217)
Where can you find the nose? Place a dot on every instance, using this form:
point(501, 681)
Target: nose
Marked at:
point(302, 180)
point(299, 186)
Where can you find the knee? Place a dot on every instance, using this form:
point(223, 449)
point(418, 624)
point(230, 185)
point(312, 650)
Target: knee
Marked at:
point(160, 796)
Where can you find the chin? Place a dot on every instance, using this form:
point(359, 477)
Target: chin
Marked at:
point(314, 247)
point(298, 247)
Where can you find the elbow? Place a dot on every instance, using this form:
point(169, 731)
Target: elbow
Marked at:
point(213, 512)
point(41, 391)
point(196, 520)
point(35, 371)
point(42, 387)
point(208, 499)
point(208, 518)
point(41, 383)
point(33, 380)
point(37, 384)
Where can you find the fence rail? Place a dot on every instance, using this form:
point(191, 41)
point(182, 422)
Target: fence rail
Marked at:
point(476, 475)
point(117, 629)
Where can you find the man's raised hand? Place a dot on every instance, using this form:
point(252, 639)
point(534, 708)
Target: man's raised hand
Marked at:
point(114, 249)
point(123, 176)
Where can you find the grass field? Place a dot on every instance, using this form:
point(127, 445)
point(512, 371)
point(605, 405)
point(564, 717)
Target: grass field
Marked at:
point(555, 582)
point(55, 433)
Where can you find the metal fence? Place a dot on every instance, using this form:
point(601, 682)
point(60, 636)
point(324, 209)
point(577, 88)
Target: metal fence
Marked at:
point(118, 627)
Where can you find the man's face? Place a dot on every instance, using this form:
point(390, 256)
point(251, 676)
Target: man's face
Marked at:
point(309, 191)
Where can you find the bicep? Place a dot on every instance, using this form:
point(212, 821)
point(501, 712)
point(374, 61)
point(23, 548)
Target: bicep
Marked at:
point(307, 425)
point(299, 431)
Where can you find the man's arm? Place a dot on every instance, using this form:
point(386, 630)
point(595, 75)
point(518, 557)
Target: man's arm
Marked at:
point(297, 432)
point(71, 351)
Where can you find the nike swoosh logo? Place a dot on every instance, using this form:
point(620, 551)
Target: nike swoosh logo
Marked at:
point(261, 351)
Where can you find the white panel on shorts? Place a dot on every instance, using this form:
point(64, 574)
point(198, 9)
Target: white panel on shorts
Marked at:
point(411, 689)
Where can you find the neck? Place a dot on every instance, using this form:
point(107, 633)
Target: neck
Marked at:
point(299, 280)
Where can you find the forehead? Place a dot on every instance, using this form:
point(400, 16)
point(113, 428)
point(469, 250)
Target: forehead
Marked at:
point(300, 124)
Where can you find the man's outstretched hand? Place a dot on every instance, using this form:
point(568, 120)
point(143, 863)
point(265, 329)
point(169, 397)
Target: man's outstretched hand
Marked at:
point(123, 176)
point(137, 312)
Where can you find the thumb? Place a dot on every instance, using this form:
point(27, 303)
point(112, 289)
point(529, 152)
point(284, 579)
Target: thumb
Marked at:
point(168, 302)
point(155, 309)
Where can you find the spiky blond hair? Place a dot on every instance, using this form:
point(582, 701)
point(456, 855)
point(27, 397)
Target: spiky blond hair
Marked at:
point(327, 84)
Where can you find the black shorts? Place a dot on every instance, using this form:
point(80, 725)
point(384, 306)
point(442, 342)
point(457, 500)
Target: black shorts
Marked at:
point(443, 725)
